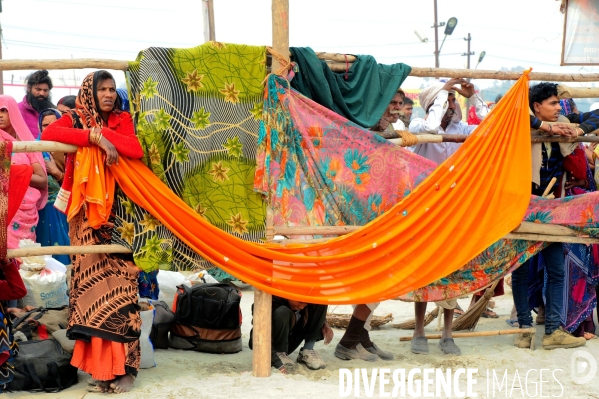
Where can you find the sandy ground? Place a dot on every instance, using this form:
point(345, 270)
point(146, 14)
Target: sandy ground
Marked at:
point(182, 374)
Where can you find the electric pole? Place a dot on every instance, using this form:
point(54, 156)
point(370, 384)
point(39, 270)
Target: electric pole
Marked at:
point(469, 53)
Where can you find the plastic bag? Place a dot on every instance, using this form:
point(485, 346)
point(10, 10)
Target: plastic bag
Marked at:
point(46, 288)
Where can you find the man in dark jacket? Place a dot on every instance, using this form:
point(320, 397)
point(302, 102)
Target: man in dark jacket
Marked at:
point(294, 322)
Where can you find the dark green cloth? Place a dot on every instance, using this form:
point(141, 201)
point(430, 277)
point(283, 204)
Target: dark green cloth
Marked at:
point(362, 98)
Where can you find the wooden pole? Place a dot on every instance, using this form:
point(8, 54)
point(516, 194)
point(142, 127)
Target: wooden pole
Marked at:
point(209, 30)
point(339, 66)
point(531, 330)
point(564, 91)
point(263, 301)
point(460, 138)
point(77, 63)
point(68, 250)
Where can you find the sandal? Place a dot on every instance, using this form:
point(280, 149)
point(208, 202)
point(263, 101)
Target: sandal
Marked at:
point(588, 335)
point(513, 322)
point(489, 314)
point(458, 311)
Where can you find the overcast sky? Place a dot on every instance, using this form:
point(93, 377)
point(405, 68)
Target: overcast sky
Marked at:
point(512, 32)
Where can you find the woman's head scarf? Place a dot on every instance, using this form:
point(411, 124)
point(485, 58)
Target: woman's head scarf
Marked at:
point(44, 113)
point(86, 105)
point(566, 106)
point(24, 134)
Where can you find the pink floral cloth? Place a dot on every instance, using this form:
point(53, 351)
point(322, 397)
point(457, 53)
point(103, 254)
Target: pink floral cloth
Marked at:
point(316, 169)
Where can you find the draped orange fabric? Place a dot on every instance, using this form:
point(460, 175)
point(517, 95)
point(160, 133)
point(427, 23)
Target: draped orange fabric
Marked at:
point(470, 201)
point(93, 184)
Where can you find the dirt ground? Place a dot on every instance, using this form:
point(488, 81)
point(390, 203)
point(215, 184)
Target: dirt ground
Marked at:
point(183, 374)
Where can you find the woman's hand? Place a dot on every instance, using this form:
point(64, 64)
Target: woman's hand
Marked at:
point(112, 155)
point(573, 182)
point(52, 169)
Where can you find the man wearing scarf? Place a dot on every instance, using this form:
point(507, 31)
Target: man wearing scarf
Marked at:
point(36, 99)
point(443, 116)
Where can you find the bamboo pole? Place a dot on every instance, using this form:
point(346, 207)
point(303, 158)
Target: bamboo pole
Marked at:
point(564, 91)
point(77, 63)
point(552, 238)
point(262, 301)
point(340, 66)
point(68, 250)
point(460, 138)
point(531, 330)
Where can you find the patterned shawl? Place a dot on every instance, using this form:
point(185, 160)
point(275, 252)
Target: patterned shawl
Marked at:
point(196, 112)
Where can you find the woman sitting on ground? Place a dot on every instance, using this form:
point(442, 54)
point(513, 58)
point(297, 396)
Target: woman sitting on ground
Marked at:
point(104, 314)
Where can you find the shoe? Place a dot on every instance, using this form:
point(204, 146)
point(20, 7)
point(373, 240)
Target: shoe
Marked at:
point(419, 345)
point(562, 339)
point(448, 347)
point(379, 352)
point(524, 341)
point(311, 359)
point(358, 352)
point(285, 359)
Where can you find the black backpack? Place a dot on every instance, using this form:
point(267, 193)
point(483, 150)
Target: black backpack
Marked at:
point(164, 318)
point(42, 366)
point(208, 318)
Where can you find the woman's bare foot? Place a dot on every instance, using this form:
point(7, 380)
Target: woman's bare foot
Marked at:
point(122, 384)
point(104, 386)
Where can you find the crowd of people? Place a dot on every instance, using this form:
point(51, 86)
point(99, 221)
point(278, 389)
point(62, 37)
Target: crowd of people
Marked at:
point(107, 347)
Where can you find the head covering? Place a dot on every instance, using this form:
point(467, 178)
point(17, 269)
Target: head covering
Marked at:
point(594, 106)
point(566, 109)
point(40, 118)
point(86, 111)
point(427, 98)
point(23, 134)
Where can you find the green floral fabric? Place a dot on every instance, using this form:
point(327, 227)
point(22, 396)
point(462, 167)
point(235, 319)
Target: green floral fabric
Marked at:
point(196, 112)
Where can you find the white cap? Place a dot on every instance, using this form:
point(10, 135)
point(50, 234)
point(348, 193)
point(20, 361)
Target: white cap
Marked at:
point(594, 106)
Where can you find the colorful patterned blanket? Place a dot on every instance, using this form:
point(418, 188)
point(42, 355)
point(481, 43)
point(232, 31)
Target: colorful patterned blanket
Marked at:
point(197, 113)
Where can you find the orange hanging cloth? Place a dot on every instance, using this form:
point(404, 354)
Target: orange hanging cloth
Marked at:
point(470, 201)
point(93, 185)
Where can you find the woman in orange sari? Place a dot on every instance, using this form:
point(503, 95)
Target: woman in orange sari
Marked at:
point(103, 312)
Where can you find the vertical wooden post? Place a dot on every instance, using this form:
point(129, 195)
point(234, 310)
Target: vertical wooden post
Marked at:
point(262, 300)
point(263, 319)
point(208, 13)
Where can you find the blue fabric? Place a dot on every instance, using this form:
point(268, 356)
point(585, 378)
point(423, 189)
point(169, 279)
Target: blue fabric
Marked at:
point(148, 284)
point(124, 99)
point(53, 229)
point(554, 292)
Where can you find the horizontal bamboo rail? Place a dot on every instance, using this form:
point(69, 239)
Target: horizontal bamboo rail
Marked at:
point(524, 228)
point(68, 250)
point(531, 330)
point(337, 64)
point(526, 231)
point(460, 138)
